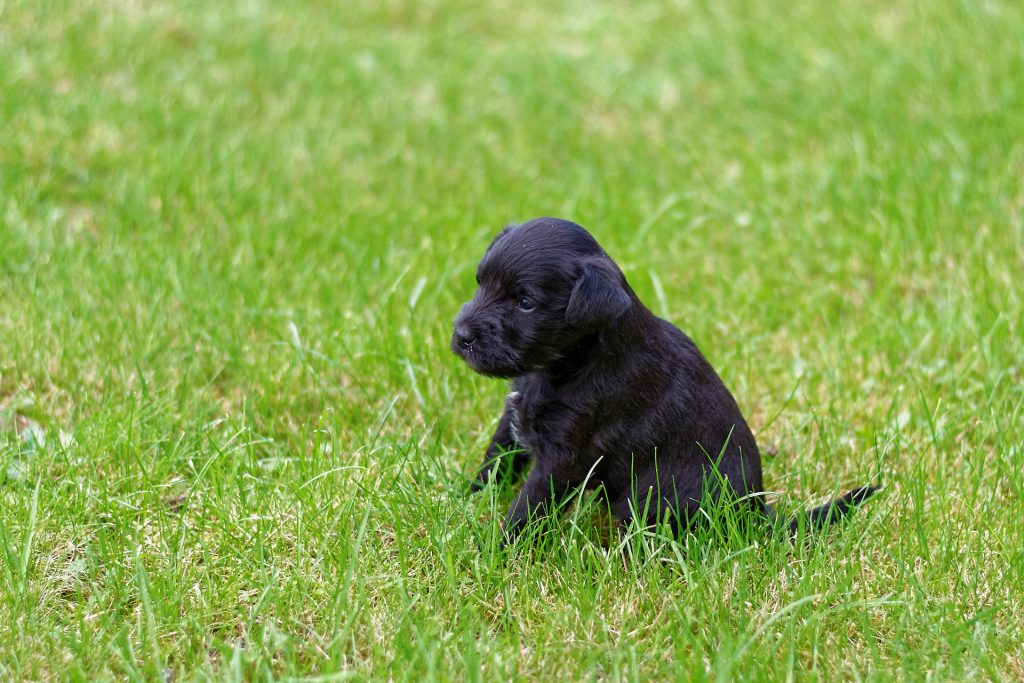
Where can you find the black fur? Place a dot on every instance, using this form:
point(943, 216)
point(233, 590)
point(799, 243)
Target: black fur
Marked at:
point(604, 393)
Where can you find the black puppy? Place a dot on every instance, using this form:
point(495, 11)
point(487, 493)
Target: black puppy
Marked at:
point(604, 393)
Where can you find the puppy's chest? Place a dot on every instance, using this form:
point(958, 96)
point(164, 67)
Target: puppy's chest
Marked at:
point(542, 417)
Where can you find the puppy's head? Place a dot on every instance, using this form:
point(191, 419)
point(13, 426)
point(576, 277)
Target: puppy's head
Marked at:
point(543, 286)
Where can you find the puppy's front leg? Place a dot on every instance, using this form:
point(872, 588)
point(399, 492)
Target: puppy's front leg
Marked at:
point(543, 489)
point(503, 445)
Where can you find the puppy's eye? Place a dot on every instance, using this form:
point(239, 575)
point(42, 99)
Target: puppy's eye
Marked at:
point(524, 304)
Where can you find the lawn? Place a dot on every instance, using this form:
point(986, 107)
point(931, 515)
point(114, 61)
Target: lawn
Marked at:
point(233, 237)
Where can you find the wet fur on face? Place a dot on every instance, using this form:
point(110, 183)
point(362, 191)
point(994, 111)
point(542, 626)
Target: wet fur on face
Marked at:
point(604, 393)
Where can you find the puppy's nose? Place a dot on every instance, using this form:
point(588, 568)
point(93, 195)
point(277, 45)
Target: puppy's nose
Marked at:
point(464, 336)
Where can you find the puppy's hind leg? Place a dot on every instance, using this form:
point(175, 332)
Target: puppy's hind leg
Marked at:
point(503, 457)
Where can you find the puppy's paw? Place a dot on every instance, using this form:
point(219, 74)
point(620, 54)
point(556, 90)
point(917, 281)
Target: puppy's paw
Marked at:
point(492, 544)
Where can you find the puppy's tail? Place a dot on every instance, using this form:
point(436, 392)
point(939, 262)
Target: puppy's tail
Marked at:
point(831, 512)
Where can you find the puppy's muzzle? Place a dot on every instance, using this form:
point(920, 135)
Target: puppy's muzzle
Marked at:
point(464, 336)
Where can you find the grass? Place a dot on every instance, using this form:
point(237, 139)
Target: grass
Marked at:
point(233, 236)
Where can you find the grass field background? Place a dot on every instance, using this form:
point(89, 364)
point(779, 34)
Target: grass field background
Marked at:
point(233, 237)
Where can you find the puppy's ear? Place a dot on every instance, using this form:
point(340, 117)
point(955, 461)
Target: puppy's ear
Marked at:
point(598, 297)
